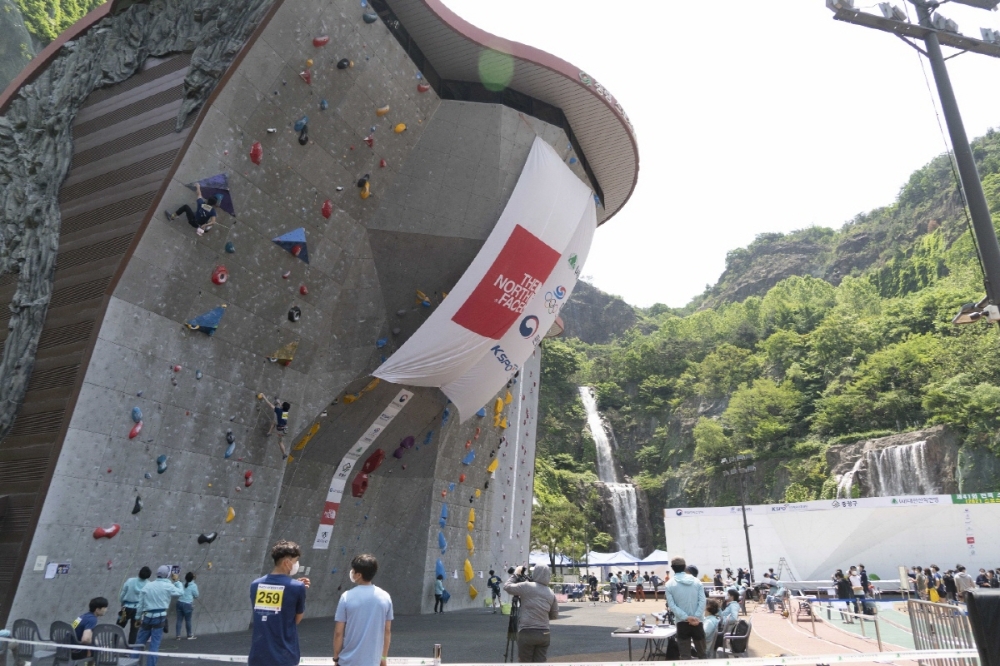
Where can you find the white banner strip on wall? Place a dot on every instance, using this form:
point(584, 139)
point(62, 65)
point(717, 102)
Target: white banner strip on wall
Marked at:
point(339, 482)
point(477, 386)
point(818, 505)
point(537, 225)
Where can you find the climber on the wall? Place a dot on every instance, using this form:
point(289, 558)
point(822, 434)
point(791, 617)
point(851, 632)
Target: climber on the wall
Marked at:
point(280, 421)
point(205, 215)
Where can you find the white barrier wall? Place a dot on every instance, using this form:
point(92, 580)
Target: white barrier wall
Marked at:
point(817, 538)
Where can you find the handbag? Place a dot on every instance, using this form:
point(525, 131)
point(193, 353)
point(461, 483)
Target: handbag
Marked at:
point(933, 595)
point(445, 596)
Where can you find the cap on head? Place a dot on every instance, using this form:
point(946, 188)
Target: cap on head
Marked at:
point(162, 572)
point(217, 200)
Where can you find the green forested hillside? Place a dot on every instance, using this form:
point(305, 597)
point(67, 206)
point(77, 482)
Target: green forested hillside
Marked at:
point(45, 19)
point(797, 366)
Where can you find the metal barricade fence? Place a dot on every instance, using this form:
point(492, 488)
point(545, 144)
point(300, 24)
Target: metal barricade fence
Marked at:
point(941, 627)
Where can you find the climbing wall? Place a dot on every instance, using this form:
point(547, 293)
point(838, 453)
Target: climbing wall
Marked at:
point(359, 200)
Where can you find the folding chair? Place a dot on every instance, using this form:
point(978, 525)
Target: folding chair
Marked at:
point(112, 636)
point(26, 630)
point(63, 633)
point(737, 642)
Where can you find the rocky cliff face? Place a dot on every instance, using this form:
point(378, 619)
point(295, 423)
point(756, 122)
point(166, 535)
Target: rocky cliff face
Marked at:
point(596, 317)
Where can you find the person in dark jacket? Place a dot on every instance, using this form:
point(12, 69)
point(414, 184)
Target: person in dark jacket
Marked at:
point(845, 592)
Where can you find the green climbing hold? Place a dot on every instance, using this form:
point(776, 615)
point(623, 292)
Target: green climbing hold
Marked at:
point(369, 17)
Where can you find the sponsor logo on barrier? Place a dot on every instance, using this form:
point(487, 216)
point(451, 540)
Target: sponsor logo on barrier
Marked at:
point(791, 507)
point(915, 500)
point(976, 498)
point(553, 298)
point(689, 512)
point(844, 504)
point(509, 284)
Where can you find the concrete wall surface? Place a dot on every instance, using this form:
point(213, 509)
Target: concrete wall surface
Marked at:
point(446, 180)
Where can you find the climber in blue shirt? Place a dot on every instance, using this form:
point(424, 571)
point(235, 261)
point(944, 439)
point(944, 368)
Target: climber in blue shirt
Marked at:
point(83, 626)
point(204, 216)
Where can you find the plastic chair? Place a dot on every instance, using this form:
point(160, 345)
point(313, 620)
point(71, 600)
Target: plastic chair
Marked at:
point(63, 633)
point(26, 630)
point(737, 642)
point(112, 636)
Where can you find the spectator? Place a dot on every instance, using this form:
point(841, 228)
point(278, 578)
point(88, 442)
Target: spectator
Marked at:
point(950, 587)
point(439, 594)
point(494, 583)
point(717, 581)
point(731, 612)
point(83, 626)
point(205, 215)
point(185, 605)
point(592, 581)
point(640, 594)
point(129, 598)
point(922, 583)
point(865, 585)
point(538, 606)
point(656, 581)
point(711, 623)
point(686, 600)
point(614, 587)
point(279, 604)
point(858, 590)
point(982, 580)
point(845, 592)
point(154, 601)
point(963, 582)
point(993, 579)
point(777, 596)
point(363, 621)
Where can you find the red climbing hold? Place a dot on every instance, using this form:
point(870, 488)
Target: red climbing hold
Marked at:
point(286, 275)
point(468, 444)
point(477, 433)
point(177, 368)
point(306, 76)
point(381, 163)
point(373, 461)
point(423, 87)
point(134, 432)
point(256, 153)
point(370, 140)
point(109, 565)
point(461, 478)
point(220, 274)
point(444, 493)
point(248, 478)
point(304, 290)
point(359, 485)
point(321, 41)
point(296, 250)
point(327, 209)
point(107, 532)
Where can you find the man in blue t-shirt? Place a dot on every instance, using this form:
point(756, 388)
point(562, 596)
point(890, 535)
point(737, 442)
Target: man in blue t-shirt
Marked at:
point(83, 626)
point(205, 213)
point(280, 421)
point(363, 620)
point(278, 603)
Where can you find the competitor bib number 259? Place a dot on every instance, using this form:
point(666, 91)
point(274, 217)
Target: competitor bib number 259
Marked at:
point(269, 598)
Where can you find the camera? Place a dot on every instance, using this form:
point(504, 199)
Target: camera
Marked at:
point(521, 574)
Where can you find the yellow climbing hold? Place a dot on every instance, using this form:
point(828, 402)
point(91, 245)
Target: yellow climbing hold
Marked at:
point(230, 514)
point(478, 493)
point(472, 516)
point(473, 593)
point(471, 547)
point(503, 422)
point(507, 399)
point(289, 460)
point(399, 129)
point(286, 354)
point(306, 437)
point(260, 396)
point(498, 406)
point(493, 465)
point(350, 397)
point(366, 191)
point(496, 420)
point(209, 565)
point(469, 573)
point(371, 385)
point(382, 110)
point(309, 62)
point(422, 298)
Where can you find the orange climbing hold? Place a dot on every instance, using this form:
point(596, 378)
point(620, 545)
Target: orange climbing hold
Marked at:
point(107, 532)
point(256, 153)
point(461, 478)
point(136, 429)
point(399, 129)
point(382, 110)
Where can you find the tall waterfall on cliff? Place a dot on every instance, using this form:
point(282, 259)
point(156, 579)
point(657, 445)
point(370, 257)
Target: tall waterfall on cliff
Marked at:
point(623, 499)
point(894, 470)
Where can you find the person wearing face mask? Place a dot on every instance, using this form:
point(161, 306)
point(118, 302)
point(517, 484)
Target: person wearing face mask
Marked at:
point(363, 621)
point(278, 603)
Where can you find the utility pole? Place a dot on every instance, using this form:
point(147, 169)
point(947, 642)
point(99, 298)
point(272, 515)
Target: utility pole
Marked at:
point(934, 30)
point(742, 471)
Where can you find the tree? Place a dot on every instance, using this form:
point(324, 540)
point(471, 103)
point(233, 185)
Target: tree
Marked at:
point(558, 527)
point(796, 492)
point(762, 413)
point(711, 443)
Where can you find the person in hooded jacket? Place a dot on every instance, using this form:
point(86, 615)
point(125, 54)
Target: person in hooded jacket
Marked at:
point(538, 606)
point(686, 600)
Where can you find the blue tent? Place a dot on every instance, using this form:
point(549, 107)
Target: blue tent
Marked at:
point(295, 238)
point(208, 322)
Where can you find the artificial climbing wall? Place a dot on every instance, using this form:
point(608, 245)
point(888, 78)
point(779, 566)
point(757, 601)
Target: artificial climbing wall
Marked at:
point(444, 182)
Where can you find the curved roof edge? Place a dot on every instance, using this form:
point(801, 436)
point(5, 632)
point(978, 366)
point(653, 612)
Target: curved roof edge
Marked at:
point(423, 21)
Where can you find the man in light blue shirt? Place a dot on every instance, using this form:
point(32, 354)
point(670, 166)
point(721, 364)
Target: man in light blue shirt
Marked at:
point(154, 601)
point(363, 620)
point(686, 600)
point(129, 598)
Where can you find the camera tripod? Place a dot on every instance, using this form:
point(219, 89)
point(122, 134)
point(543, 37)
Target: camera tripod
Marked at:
point(510, 651)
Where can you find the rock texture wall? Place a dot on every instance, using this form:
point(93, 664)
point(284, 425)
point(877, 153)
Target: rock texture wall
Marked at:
point(427, 218)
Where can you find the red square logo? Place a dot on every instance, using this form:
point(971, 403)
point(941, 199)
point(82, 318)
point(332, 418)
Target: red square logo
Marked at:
point(499, 299)
point(329, 513)
point(970, 540)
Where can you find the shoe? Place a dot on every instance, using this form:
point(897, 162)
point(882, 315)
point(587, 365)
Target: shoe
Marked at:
point(170, 216)
point(191, 638)
point(177, 638)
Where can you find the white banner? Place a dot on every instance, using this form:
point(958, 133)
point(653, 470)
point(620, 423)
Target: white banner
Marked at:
point(817, 505)
point(347, 465)
point(477, 386)
point(492, 298)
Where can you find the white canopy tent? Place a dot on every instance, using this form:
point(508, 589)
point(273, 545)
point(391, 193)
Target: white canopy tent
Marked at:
point(656, 557)
point(541, 557)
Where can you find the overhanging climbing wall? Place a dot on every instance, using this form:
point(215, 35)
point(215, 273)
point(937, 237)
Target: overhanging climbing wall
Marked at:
point(361, 197)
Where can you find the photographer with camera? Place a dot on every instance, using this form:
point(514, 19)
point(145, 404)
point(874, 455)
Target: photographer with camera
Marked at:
point(537, 606)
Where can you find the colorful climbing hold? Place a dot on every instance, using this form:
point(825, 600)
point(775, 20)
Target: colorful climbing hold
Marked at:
point(306, 76)
point(198, 374)
point(322, 40)
point(461, 478)
point(369, 17)
point(256, 153)
point(382, 163)
point(493, 465)
point(469, 457)
point(161, 464)
point(208, 538)
point(473, 592)
point(230, 449)
point(107, 532)
point(359, 485)
point(323, 105)
point(303, 290)
point(507, 398)
point(445, 415)
point(286, 275)
point(295, 313)
point(469, 573)
point(136, 429)
point(137, 507)
point(399, 128)
point(442, 543)
point(177, 368)
point(382, 110)
point(220, 275)
point(398, 453)
point(147, 475)
point(344, 63)
point(136, 414)
point(478, 493)
point(248, 478)
point(572, 160)
point(423, 87)
point(206, 323)
point(295, 243)
point(327, 209)
point(309, 62)
point(304, 136)
point(381, 342)
point(439, 568)
point(481, 413)
point(230, 248)
point(370, 140)
point(230, 514)
point(469, 545)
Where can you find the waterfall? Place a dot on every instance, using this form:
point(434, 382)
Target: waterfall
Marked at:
point(894, 470)
point(623, 498)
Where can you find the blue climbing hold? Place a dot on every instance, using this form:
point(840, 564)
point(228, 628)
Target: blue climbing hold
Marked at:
point(481, 413)
point(419, 75)
point(301, 123)
point(439, 568)
point(136, 414)
point(451, 487)
point(572, 160)
point(294, 242)
point(230, 449)
point(369, 17)
point(147, 475)
point(230, 248)
point(444, 515)
point(427, 439)
point(208, 323)
point(161, 464)
point(469, 457)
point(323, 105)
point(445, 415)
point(333, 571)
point(442, 543)
point(381, 342)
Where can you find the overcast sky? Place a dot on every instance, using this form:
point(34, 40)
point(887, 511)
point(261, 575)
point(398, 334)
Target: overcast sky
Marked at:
point(752, 117)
